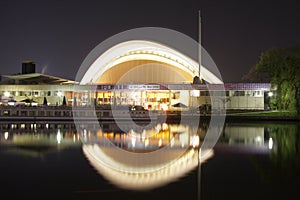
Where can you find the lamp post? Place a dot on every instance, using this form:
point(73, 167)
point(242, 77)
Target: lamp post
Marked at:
point(270, 94)
point(59, 94)
point(270, 103)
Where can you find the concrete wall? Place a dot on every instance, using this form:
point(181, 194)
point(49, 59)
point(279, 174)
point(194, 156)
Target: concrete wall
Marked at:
point(234, 102)
point(245, 102)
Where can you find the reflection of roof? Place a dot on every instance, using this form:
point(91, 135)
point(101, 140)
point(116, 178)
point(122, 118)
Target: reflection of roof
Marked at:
point(133, 177)
point(38, 79)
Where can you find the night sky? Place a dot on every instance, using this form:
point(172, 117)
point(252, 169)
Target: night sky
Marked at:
point(59, 35)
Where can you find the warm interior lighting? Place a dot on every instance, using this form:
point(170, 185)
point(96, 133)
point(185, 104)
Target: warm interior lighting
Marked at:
point(146, 142)
point(160, 142)
point(133, 140)
point(6, 94)
point(164, 107)
point(196, 141)
point(11, 103)
point(59, 94)
point(195, 93)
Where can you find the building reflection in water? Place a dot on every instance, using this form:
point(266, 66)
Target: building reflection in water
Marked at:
point(36, 141)
point(144, 159)
point(250, 137)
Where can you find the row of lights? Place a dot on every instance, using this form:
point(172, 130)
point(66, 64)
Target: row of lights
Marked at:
point(150, 52)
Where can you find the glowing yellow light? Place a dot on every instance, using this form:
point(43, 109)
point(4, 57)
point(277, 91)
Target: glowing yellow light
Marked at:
point(143, 135)
point(160, 142)
point(131, 176)
point(11, 103)
point(196, 141)
point(158, 127)
point(58, 136)
point(270, 143)
point(258, 139)
point(172, 142)
point(6, 135)
point(195, 93)
point(133, 141)
point(146, 142)
point(6, 94)
point(99, 133)
point(270, 94)
point(164, 107)
point(165, 126)
point(59, 94)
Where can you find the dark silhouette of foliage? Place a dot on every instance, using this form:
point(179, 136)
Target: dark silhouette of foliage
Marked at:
point(45, 102)
point(64, 103)
point(281, 67)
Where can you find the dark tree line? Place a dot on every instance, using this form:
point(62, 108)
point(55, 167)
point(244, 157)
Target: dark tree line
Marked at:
point(281, 67)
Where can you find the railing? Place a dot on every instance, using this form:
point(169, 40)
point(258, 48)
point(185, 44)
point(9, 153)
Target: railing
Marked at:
point(69, 113)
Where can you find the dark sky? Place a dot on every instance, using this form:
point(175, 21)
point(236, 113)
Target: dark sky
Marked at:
point(58, 35)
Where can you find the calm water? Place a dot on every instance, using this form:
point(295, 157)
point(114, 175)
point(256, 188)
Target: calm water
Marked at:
point(250, 161)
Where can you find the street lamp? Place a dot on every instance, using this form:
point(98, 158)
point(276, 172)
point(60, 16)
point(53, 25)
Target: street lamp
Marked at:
point(59, 94)
point(270, 94)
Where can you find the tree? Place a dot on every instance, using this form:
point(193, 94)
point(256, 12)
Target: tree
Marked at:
point(45, 103)
point(282, 68)
point(284, 155)
point(64, 103)
point(256, 76)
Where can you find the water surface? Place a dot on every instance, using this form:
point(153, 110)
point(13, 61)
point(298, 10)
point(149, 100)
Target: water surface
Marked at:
point(250, 161)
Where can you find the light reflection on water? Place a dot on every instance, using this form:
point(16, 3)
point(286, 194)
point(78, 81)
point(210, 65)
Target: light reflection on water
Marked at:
point(281, 142)
point(139, 141)
point(143, 159)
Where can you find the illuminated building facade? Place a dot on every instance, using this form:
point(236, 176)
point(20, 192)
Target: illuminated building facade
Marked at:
point(243, 96)
point(137, 72)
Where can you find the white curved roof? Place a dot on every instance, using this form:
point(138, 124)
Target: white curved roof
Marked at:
point(145, 50)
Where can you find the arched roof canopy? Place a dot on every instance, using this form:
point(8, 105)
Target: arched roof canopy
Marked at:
point(123, 48)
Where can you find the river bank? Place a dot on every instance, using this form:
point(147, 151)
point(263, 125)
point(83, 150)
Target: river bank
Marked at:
point(89, 113)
